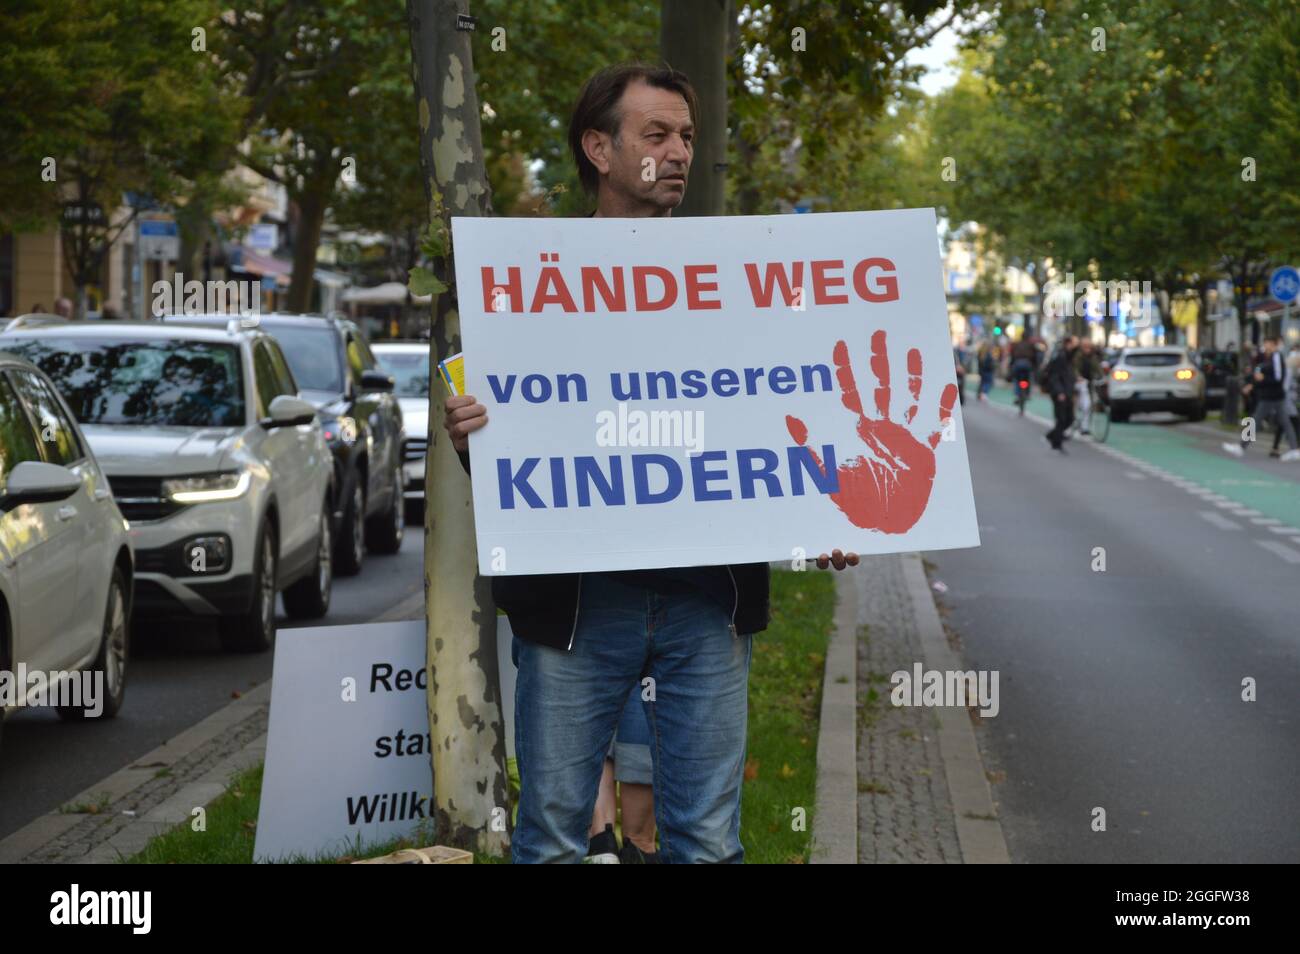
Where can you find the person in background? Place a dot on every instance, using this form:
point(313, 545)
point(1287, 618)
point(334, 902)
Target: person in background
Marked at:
point(988, 364)
point(1291, 402)
point(37, 309)
point(1269, 385)
point(1087, 370)
point(63, 307)
point(959, 357)
point(1060, 387)
point(628, 782)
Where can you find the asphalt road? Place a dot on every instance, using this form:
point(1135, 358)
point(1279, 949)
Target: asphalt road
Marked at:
point(178, 675)
point(1122, 689)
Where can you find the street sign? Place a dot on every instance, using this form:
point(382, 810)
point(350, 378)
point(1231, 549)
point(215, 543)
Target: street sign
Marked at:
point(1284, 284)
point(159, 240)
point(263, 238)
point(347, 749)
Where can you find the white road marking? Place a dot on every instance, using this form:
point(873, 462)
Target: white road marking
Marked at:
point(1134, 475)
point(1218, 520)
point(1286, 530)
point(1265, 521)
point(1281, 549)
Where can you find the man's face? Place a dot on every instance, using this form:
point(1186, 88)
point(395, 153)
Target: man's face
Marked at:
point(1269, 345)
point(647, 163)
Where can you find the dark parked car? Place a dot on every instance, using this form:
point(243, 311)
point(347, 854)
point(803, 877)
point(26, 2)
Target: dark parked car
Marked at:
point(337, 372)
point(1219, 367)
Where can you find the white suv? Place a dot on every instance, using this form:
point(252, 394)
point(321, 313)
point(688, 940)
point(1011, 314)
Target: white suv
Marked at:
point(65, 555)
point(408, 363)
point(219, 466)
point(1156, 379)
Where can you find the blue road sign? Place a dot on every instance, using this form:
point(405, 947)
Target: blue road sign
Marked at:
point(1284, 284)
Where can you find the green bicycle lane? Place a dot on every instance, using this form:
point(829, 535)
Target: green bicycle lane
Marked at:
point(1193, 452)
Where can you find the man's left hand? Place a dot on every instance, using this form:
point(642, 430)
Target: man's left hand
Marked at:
point(838, 558)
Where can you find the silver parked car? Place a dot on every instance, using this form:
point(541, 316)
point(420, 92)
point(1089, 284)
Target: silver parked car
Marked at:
point(219, 466)
point(66, 567)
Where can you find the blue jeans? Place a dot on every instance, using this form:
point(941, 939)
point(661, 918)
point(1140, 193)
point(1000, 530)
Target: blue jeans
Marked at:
point(631, 749)
point(568, 704)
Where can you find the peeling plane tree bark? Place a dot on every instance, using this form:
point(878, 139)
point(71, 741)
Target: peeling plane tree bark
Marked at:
point(470, 803)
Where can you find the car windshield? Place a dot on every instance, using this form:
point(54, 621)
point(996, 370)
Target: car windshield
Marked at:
point(143, 382)
point(313, 355)
point(1161, 359)
point(410, 371)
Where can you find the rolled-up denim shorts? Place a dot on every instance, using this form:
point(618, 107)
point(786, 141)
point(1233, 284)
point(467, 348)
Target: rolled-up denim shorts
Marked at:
point(630, 748)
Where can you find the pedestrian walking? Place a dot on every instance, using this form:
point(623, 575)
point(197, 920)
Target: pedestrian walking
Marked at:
point(582, 642)
point(1087, 370)
point(1291, 401)
point(1268, 384)
point(988, 364)
point(1059, 382)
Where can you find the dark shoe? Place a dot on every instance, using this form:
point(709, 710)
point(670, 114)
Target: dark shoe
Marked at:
point(1061, 448)
point(602, 849)
point(632, 855)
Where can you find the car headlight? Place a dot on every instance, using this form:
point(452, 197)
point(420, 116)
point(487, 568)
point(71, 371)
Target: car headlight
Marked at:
point(341, 429)
point(203, 488)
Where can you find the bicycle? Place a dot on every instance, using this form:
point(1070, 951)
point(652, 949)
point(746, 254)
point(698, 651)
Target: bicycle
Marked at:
point(1099, 414)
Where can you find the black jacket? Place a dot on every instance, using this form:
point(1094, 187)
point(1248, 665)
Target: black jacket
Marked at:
point(543, 607)
point(1273, 368)
point(1059, 374)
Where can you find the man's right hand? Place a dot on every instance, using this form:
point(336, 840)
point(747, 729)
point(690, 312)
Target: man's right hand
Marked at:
point(464, 415)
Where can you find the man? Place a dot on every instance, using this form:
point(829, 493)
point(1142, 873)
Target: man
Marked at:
point(583, 641)
point(1087, 370)
point(1059, 375)
point(63, 307)
point(1268, 382)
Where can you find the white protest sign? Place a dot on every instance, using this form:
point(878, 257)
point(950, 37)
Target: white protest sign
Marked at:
point(684, 392)
point(338, 770)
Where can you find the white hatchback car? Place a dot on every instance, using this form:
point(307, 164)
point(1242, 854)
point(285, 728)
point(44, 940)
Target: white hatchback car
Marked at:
point(1156, 379)
point(66, 566)
point(408, 363)
point(221, 469)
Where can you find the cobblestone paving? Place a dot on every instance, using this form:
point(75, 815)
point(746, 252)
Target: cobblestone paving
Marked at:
point(904, 812)
point(97, 828)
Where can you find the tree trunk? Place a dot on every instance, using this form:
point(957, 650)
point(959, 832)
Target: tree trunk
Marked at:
point(693, 39)
point(311, 217)
point(470, 803)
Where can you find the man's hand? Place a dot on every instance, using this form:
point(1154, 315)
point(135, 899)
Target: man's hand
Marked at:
point(838, 558)
point(1060, 397)
point(464, 415)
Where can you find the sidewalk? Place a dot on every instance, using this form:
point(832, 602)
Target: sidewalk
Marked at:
point(921, 792)
point(154, 793)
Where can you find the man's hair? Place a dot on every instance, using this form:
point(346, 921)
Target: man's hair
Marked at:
point(597, 107)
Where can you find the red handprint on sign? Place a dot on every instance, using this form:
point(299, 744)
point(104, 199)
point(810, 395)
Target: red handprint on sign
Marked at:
point(889, 489)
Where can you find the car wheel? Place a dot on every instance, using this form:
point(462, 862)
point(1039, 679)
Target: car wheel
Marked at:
point(309, 598)
point(253, 631)
point(351, 546)
point(109, 667)
point(384, 531)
